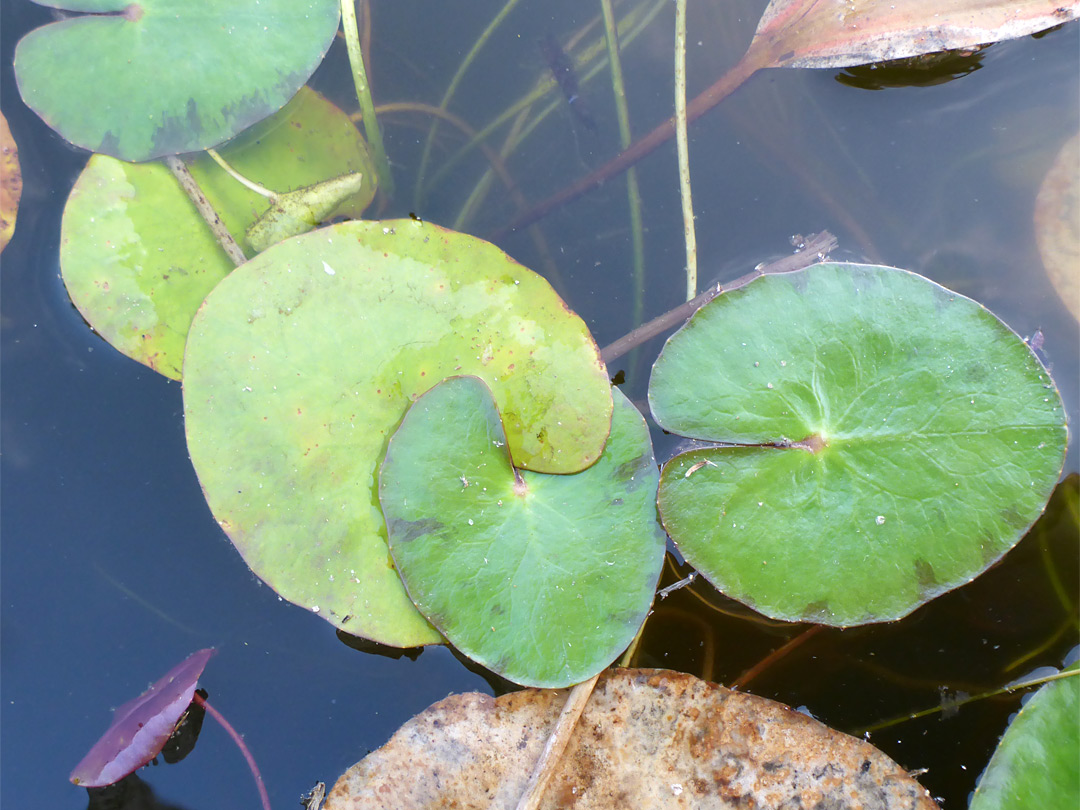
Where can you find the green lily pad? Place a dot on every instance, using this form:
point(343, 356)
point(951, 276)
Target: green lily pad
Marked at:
point(543, 579)
point(897, 439)
point(1037, 763)
point(162, 77)
point(303, 361)
point(138, 259)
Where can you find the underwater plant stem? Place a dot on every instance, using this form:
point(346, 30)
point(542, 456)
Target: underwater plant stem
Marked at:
point(633, 191)
point(451, 88)
point(232, 732)
point(239, 178)
point(498, 167)
point(1008, 689)
point(701, 104)
point(775, 655)
point(556, 744)
point(206, 210)
point(816, 248)
point(682, 148)
point(363, 96)
point(633, 23)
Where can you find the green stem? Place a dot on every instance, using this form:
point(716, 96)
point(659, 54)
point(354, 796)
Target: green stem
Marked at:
point(630, 27)
point(449, 94)
point(239, 178)
point(363, 96)
point(683, 148)
point(633, 192)
point(1013, 687)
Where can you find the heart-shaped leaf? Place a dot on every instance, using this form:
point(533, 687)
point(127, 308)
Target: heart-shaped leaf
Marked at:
point(137, 258)
point(544, 579)
point(895, 440)
point(1037, 758)
point(161, 77)
point(303, 361)
point(141, 727)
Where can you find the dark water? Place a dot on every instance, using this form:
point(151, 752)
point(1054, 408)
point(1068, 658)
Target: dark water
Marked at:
point(113, 569)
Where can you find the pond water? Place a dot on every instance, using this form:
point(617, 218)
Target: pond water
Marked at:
point(113, 569)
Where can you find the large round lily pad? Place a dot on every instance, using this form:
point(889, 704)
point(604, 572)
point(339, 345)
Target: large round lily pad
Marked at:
point(544, 579)
point(138, 259)
point(896, 439)
point(648, 738)
point(303, 361)
point(159, 77)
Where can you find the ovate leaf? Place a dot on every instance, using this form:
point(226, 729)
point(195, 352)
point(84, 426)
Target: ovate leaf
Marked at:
point(892, 440)
point(141, 727)
point(812, 34)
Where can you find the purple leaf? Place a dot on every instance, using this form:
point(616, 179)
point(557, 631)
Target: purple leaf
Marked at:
point(141, 727)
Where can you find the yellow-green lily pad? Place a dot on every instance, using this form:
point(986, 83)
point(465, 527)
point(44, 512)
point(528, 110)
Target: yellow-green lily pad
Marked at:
point(302, 362)
point(135, 254)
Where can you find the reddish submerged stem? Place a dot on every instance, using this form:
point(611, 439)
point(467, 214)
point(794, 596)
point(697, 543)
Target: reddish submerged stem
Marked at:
point(701, 104)
point(232, 732)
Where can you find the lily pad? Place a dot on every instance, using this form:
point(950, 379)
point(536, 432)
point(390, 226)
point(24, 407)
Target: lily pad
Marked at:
point(895, 440)
point(162, 77)
point(543, 579)
point(137, 258)
point(647, 738)
point(303, 361)
point(1037, 762)
point(10, 183)
point(141, 727)
point(808, 34)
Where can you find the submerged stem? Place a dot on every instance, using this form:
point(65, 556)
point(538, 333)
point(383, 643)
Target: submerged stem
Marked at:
point(683, 149)
point(363, 96)
point(816, 248)
point(451, 88)
point(239, 178)
point(232, 732)
point(701, 104)
point(206, 210)
point(633, 192)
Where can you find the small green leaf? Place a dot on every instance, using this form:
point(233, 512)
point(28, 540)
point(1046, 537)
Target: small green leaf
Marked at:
point(544, 579)
point(302, 362)
point(1037, 763)
point(299, 211)
point(162, 77)
point(897, 439)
